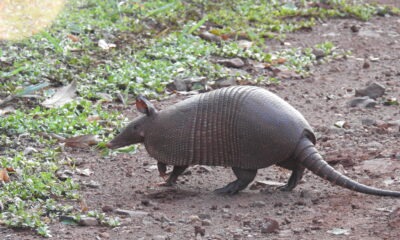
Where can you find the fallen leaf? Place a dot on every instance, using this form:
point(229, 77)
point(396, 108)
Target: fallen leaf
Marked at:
point(82, 141)
point(84, 172)
point(63, 95)
point(84, 206)
point(4, 175)
point(104, 45)
point(73, 38)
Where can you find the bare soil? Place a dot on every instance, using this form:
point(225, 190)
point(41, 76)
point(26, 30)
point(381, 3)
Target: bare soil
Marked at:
point(367, 149)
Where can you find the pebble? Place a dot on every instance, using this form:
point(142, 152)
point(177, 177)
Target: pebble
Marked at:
point(233, 62)
point(374, 90)
point(206, 222)
point(366, 102)
point(194, 219)
point(88, 221)
point(104, 235)
point(210, 37)
point(160, 237)
point(131, 213)
point(269, 226)
point(258, 204)
point(199, 230)
point(107, 208)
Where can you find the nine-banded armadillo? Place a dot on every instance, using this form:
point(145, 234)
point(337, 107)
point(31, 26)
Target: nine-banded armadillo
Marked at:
point(246, 128)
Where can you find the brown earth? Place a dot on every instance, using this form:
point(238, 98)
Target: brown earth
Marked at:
point(367, 150)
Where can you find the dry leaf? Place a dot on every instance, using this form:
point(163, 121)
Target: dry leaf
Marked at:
point(84, 172)
point(4, 175)
point(84, 206)
point(82, 141)
point(104, 45)
point(73, 38)
point(62, 96)
point(93, 118)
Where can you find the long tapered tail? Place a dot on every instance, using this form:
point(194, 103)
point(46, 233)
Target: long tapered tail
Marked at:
point(309, 157)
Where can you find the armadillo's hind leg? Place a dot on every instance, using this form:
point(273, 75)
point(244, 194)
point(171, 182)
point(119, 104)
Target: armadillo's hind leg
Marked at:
point(244, 178)
point(294, 179)
point(178, 170)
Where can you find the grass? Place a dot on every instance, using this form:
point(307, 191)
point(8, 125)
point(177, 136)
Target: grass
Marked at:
point(156, 42)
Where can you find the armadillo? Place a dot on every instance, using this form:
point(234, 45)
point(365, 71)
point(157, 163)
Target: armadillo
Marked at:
point(243, 127)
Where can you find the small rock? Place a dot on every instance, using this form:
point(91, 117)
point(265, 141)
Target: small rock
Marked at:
point(367, 122)
point(366, 102)
point(204, 216)
point(258, 204)
point(91, 184)
point(104, 235)
point(209, 37)
point(355, 28)
point(131, 213)
point(374, 145)
point(269, 226)
point(319, 53)
point(374, 90)
point(194, 219)
point(366, 64)
point(88, 221)
point(206, 222)
point(225, 82)
point(199, 230)
point(107, 208)
point(234, 62)
point(160, 237)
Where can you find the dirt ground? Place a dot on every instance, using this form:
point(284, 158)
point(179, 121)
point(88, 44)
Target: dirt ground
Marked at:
point(366, 150)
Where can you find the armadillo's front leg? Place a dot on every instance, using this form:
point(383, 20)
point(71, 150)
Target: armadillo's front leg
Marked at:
point(178, 170)
point(162, 169)
point(294, 179)
point(244, 178)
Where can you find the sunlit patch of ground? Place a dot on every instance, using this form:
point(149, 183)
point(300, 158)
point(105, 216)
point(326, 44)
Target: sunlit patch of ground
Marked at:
point(23, 18)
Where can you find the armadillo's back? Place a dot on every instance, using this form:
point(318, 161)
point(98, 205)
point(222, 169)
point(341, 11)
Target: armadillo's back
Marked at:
point(246, 127)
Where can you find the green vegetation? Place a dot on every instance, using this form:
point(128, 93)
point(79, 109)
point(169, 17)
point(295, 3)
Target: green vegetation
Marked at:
point(155, 42)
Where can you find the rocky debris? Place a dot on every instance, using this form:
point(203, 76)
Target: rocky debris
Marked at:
point(355, 28)
point(225, 82)
point(160, 237)
point(91, 184)
point(88, 221)
point(269, 226)
point(199, 230)
point(234, 62)
point(366, 102)
point(374, 90)
point(209, 37)
point(366, 64)
point(259, 204)
point(187, 84)
point(104, 235)
point(131, 213)
point(378, 166)
point(64, 174)
point(367, 122)
point(194, 219)
point(107, 208)
point(319, 53)
point(394, 218)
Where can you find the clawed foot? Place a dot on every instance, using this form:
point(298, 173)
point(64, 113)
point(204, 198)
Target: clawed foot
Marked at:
point(285, 188)
point(230, 189)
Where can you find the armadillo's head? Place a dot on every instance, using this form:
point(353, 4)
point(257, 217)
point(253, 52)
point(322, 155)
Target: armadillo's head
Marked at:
point(135, 132)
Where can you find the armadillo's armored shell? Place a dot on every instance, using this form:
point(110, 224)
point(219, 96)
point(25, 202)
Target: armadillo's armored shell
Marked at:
point(246, 127)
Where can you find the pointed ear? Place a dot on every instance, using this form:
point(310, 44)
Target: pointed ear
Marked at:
point(144, 106)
